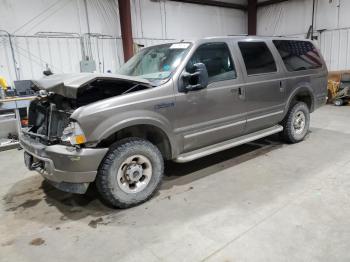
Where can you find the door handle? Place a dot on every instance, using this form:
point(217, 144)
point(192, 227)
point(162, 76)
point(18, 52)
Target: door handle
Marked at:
point(237, 91)
point(281, 87)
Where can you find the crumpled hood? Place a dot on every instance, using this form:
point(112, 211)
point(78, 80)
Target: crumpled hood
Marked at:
point(67, 85)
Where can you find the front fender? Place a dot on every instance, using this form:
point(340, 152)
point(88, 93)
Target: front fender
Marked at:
point(119, 121)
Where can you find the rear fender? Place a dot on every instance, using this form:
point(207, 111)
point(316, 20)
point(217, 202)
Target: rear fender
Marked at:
point(302, 88)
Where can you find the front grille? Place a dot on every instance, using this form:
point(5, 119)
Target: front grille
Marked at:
point(58, 121)
point(46, 122)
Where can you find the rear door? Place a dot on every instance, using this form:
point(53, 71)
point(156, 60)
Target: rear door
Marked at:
point(264, 87)
point(215, 113)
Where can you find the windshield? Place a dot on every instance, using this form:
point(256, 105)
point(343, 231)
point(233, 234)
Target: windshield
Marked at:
point(155, 63)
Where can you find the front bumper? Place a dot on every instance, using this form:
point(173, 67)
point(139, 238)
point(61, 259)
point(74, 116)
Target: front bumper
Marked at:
point(65, 166)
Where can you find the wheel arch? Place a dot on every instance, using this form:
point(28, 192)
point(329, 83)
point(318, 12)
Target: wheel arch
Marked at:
point(304, 94)
point(148, 131)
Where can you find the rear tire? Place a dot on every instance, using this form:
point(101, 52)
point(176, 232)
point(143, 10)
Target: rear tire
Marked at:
point(338, 102)
point(130, 173)
point(296, 123)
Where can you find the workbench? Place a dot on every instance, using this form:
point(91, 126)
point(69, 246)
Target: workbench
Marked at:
point(15, 104)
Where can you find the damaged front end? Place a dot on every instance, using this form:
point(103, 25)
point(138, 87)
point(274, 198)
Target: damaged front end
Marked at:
point(54, 143)
point(48, 116)
point(60, 95)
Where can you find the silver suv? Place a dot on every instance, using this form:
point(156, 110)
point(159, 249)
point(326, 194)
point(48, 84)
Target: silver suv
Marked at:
point(178, 101)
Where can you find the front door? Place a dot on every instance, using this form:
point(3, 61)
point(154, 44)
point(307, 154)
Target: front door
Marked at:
point(215, 113)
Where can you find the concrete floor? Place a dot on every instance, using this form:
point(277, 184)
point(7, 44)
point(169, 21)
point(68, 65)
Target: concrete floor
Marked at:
point(265, 201)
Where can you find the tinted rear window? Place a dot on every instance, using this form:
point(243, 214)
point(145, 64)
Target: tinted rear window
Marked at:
point(257, 58)
point(298, 55)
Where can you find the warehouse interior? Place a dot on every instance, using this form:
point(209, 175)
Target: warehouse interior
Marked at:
point(260, 200)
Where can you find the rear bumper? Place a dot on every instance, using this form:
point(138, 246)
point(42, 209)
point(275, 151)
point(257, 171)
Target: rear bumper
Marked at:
point(63, 164)
point(320, 101)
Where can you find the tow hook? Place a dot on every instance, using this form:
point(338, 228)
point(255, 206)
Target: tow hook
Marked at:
point(36, 165)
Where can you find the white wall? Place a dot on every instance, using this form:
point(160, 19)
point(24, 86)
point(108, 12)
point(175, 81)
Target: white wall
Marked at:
point(27, 17)
point(287, 18)
point(169, 19)
point(62, 50)
point(332, 20)
point(153, 22)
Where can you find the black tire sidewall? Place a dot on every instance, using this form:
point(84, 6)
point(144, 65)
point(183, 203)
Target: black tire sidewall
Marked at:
point(106, 179)
point(289, 132)
point(338, 102)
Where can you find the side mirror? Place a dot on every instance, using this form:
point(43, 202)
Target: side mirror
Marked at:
point(197, 80)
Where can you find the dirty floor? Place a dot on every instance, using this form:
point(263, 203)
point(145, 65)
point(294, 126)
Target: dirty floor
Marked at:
point(264, 201)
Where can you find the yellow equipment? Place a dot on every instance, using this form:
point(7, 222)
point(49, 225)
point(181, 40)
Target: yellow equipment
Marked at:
point(339, 91)
point(333, 87)
point(3, 83)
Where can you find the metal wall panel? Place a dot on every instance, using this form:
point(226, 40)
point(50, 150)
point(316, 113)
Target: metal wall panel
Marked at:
point(332, 25)
point(61, 54)
point(286, 18)
point(335, 47)
point(34, 24)
point(175, 20)
point(34, 54)
point(7, 66)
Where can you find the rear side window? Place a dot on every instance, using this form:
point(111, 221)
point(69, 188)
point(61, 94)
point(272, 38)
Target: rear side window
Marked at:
point(257, 58)
point(217, 59)
point(298, 55)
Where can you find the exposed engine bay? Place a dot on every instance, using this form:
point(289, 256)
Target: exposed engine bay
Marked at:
point(49, 114)
point(105, 88)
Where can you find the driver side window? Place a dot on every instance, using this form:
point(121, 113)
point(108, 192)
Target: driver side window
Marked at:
point(217, 59)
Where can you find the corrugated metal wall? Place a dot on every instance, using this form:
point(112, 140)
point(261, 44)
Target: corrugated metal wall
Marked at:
point(37, 27)
point(332, 23)
point(7, 65)
point(335, 47)
point(175, 20)
point(61, 54)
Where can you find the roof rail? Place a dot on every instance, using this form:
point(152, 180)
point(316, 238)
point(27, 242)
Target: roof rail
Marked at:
point(239, 35)
point(259, 35)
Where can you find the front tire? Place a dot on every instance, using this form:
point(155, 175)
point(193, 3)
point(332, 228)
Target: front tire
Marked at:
point(296, 123)
point(130, 173)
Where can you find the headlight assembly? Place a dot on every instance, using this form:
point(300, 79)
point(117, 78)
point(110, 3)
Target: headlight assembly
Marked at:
point(73, 134)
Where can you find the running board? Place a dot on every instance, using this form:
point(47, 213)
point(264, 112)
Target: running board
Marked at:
point(186, 157)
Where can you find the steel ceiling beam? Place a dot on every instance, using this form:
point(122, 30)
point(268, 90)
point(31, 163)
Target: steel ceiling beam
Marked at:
point(270, 2)
point(229, 5)
point(213, 3)
point(252, 16)
point(126, 28)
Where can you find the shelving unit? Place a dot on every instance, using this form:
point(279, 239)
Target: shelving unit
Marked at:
point(8, 119)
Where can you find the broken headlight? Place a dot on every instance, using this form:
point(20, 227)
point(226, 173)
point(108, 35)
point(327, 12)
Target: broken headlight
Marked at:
point(73, 134)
